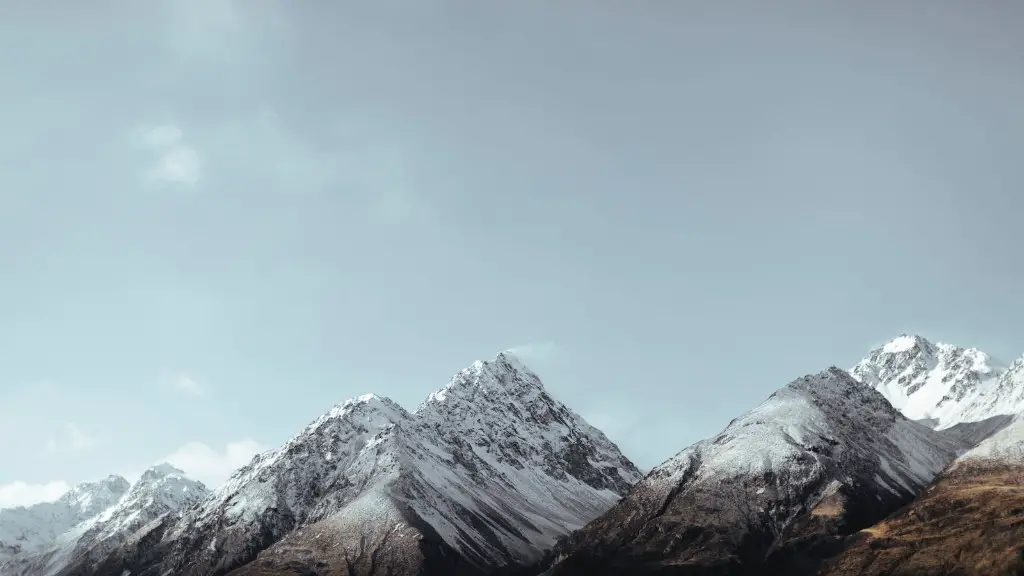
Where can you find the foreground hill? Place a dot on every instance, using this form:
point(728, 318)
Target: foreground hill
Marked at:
point(969, 522)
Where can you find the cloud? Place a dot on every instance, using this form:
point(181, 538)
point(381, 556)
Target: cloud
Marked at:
point(175, 161)
point(75, 440)
point(22, 494)
point(213, 468)
point(538, 352)
point(79, 440)
point(186, 385)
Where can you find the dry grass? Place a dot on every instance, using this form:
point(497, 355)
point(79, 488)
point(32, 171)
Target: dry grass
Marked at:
point(971, 522)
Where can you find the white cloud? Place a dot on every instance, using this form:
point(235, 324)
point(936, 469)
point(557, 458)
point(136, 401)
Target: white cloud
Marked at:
point(22, 494)
point(175, 161)
point(186, 385)
point(212, 467)
point(178, 164)
point(534, 352)
point(159, 136)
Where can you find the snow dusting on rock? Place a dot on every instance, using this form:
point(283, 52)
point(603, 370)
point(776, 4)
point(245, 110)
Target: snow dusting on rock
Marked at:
point(490, 467)
point(27, 530)
point(822, 455)
point(1005, 447)
point(110, 512)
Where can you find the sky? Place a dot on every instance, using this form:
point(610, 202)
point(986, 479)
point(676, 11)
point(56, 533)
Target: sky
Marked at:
point(220, 218)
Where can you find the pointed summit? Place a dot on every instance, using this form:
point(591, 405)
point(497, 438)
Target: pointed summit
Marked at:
point(505, 376)
point(905, 343)
point(161, 470)
point(91, 498)
point(926, 380)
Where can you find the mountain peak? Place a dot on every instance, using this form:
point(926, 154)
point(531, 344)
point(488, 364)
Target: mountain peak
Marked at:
point(490, 467)
point(906, 343)
point(506, 375)
point(93, 497)
point(365, 404)
point(937, 381)
point(161, 470)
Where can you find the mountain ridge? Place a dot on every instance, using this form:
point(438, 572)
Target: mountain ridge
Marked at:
point(489, 470)
point(490, 474)
point(819, 458)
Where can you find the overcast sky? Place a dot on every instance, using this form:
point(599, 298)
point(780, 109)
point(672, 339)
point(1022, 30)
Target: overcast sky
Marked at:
point(219, 218)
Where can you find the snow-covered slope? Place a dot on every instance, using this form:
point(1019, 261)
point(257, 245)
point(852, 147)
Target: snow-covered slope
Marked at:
point(160, 490)
point(942, 383)
point(1004, 448)
point(29, 530)
point(822, 456)
point(488, 471)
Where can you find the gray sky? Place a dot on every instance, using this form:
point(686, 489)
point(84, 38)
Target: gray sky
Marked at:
point(219, 218)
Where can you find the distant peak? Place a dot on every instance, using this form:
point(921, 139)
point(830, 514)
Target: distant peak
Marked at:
point(503, 374)
point(112, 482)
point(826, 377)
point(512, 361)
point(366, 402)
point(507, 368)
point(162, 470)
point(907, 342)
point(364, 399)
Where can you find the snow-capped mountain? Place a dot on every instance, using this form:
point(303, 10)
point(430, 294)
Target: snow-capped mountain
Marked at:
point(488, 472)
point(822, 457)
point(27, 530)
point(161, 490)
point(942, 383)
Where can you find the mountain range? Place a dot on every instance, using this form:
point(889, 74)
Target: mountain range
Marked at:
point(910, 462)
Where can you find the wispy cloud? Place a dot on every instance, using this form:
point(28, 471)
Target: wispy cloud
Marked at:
point(20, 493)
point(78, 440)
point(175, 161)
point(188, 386)
point(534, 351)
point(210, 466)
point(74, 440)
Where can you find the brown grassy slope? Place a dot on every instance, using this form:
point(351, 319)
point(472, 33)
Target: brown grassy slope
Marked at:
point(969, 522)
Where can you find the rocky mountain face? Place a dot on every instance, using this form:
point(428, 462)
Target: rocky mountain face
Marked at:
point(911, 463)
point(107, 522)
point(942, 383)
point(775, 492)
point(486, 474)
point(970, 521)
point(28, 530)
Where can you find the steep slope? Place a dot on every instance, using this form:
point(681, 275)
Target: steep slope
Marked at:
point(970, 521)
point(488, 472)
point(772, 493)
point(26, 531)
point(160, 490)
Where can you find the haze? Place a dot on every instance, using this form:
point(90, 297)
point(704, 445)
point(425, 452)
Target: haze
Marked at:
point(218, 219)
